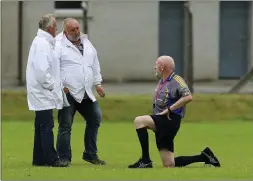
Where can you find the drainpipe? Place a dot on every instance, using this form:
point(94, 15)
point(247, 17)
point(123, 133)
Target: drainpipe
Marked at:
point(20, 42)
point(84, 6)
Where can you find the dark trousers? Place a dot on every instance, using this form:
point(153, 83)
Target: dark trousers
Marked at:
point(91, 112)
point(44, 152)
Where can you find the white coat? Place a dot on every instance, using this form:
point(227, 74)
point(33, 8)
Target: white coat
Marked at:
point(59, 36)
point(44, 89)
point(79, 73)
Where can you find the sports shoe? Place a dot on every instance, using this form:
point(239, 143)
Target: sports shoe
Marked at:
point(211, 158)
point(65, 162)
point(141, 164)
point(93, 159)
point(59, 163)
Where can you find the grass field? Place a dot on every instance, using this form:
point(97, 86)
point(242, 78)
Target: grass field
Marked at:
point(119, 146)
point(228, 132)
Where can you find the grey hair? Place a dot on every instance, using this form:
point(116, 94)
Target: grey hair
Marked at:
point(65, 21)
point(46, 21)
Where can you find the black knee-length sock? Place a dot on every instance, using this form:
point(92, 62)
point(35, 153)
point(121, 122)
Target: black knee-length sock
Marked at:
point(143, 138)
point(182, 161)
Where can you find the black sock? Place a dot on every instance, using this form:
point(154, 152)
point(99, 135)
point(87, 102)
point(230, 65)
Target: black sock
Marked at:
point(143, 138)
point(182, 161)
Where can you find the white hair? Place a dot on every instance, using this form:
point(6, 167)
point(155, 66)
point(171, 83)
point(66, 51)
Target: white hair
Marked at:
point(46, 21)
point(65, 22)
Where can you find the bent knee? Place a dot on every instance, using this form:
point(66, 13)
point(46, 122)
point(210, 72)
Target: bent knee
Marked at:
point(169, 165)
point(138, 120)
point(144, 121)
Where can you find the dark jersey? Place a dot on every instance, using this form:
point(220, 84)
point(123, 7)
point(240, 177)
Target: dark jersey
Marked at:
point(168, 92)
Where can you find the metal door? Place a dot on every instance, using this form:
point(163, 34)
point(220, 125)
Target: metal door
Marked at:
point(234, 31)
point(171, 30)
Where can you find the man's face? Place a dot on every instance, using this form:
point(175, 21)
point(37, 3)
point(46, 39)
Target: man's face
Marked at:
point(158, 69)
point(73, 31)
point(52, 30)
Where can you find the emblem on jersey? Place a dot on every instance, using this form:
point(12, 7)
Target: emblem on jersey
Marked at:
point(166, 95)
point(166, 92)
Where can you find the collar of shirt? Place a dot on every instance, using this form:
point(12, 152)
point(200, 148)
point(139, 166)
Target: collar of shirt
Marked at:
point(66, 41)
point(168, 78)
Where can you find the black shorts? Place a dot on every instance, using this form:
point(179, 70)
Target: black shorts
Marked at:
point(166, 130)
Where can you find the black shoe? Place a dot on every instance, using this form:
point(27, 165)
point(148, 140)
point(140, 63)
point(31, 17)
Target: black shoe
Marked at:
point(93, 159)
point(65, 162)
point(142, 164)
point(60, 163)
point(211, 159)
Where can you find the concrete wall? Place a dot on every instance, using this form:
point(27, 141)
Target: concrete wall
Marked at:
point(124, 33)
point(126, 37)
point(1, 42)
point(9, 36)
point(32, 12)
point(251, 39)
point(205, 39)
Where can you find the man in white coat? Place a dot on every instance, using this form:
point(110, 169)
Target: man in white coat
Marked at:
point(44, 91)
point(80, 71)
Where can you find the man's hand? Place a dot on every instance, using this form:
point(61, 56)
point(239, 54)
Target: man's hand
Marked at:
point(100, 90)
point(165, 112)
point(66, 90)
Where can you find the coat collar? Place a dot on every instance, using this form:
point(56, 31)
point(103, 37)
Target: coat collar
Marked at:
point(47, 36)
point(66, 41)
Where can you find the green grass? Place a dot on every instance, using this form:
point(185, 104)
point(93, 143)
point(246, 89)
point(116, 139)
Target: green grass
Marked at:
point(118, 145)
point(203, 108)
point(223, 122)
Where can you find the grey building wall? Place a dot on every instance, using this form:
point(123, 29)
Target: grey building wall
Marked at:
point(205, 39)
point(251, 38)
point(125, 34)
point(9, 46)
point(32, 12)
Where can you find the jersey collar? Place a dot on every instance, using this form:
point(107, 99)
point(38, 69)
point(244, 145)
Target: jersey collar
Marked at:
point(169, 77)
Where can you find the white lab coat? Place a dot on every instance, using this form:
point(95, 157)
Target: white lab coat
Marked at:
point(59, 36)
point(79, 73)
point(44, 89)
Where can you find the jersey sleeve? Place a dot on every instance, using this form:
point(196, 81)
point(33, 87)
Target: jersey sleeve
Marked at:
point(182, 87)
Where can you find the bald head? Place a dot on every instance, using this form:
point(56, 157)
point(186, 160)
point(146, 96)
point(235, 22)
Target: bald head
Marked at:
point(71, 29)
point(164, 66)
point(167, 62)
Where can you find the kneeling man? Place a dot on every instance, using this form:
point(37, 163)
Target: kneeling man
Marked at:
point(171, 96)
